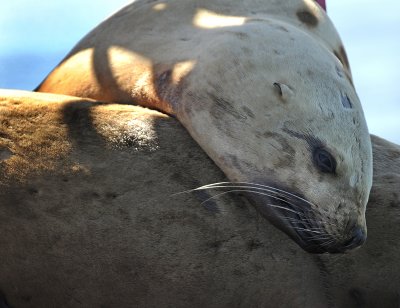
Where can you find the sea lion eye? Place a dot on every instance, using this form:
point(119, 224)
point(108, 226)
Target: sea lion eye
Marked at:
point(324, 161)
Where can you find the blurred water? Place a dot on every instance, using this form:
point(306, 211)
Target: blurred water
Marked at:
point(370, 31)
point(26, 70)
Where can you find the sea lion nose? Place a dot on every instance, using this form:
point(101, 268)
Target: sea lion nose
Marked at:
point(359, 236)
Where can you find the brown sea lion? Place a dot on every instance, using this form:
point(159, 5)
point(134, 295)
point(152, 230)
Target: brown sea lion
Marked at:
point(87, 219)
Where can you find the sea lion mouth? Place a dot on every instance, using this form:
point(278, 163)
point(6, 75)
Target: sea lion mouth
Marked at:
point(303, 228)
point(293, 214)
point(310, 235)
point(296, 220)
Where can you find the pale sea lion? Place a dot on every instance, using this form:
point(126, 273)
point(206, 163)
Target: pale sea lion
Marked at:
point(264, 87)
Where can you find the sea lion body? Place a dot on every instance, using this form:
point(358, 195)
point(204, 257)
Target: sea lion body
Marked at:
point(87, 219)
point(263, 87)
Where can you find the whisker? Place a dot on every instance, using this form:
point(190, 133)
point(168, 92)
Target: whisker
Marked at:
point(327, 243)
point(320, 238)
point(307, 230)
point(256, 192)
point(301, 223)
point(305, 223)
point(253, 185)
point(261, 191)
point(244, 187)
point(316, 220)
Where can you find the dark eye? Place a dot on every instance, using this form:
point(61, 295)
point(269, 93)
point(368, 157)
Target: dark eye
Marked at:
point(324, 161)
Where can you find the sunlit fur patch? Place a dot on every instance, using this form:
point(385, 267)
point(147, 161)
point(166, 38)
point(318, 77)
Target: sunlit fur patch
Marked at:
point(210, 20)
point(160, 6)
point(39, 133)
point(34, 136)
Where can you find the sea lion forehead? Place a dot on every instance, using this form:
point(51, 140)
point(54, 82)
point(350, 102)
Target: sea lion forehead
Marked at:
point(293, 54)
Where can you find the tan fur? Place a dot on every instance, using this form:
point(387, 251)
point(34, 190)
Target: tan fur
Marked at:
point(215, 66)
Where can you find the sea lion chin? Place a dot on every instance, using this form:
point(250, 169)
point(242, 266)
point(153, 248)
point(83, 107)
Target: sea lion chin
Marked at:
point(265, 90)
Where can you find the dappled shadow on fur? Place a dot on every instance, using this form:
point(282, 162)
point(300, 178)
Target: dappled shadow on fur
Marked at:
point(77, 116)
point(160, 79)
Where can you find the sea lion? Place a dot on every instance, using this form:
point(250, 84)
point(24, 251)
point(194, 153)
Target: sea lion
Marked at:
point(264, 87)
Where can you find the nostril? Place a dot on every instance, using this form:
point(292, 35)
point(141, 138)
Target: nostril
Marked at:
point(359, 236)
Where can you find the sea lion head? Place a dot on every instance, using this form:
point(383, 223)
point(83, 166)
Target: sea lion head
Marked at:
point(273, 106)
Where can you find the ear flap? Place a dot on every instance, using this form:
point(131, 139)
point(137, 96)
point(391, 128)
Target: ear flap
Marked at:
point(322, 3)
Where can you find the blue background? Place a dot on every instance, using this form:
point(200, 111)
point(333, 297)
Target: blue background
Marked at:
point(35, 36)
